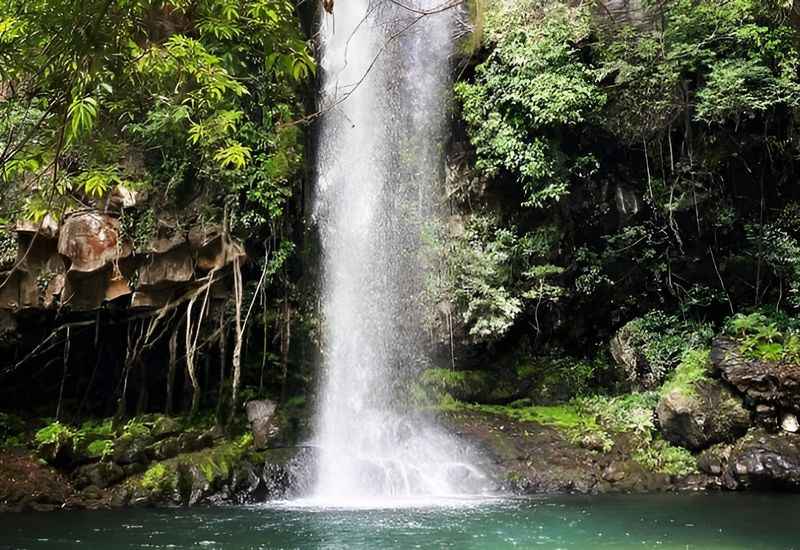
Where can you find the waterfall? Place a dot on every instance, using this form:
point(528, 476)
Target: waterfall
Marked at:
point(379, 167)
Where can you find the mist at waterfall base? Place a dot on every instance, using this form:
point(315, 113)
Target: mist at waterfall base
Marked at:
point(379, 167)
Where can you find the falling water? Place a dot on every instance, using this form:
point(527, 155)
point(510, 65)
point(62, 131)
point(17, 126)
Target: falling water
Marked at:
point(386, 75)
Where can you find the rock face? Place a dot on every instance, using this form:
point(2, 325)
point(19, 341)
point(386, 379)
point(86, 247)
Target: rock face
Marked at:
point(259, 414)
point(709, 414)
point(769, 383)
point(88, 260)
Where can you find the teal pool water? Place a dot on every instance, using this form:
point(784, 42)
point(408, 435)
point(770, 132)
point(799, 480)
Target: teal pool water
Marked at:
point(618, 522)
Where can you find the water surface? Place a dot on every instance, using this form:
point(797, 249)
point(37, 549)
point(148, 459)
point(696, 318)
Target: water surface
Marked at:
point(619, 522)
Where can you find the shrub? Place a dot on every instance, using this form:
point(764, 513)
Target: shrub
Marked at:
point(11, 430)
point(659, 456)
point(55, 433)
point(766, 338)
point(661, 340)
point(100, 448)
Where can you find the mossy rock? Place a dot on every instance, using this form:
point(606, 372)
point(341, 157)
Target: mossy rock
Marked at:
point(208, 475)
point(710, 413)
point(475, 386)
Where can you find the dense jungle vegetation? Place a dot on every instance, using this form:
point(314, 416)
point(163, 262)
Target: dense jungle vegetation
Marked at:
point(191, 109)
point(611, 172)
point(640, 168)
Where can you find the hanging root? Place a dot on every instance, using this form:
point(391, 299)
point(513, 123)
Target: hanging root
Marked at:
point(237, 347)
point(192, 336)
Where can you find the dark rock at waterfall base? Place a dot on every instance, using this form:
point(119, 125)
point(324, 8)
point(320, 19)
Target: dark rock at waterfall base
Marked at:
point(288, 471)
point(762, 460)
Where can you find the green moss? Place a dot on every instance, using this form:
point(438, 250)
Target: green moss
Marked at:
point(218, 462)
point(693, 368)
point(158, 479)
point(565, 417)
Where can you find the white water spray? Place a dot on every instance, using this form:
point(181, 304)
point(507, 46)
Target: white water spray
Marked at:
point(386, 76)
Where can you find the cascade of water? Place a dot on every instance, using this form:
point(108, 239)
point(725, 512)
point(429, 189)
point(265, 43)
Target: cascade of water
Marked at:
point(385, 71)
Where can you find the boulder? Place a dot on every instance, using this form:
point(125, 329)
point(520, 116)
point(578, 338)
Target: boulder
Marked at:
point(100, 475)
point(707, 414)
point(714, 460)
point(765, 461)
point(635, 368)
point(767, 382)
point(131, 449)
point(259, 414)
point(288, 471)
point(165, 426)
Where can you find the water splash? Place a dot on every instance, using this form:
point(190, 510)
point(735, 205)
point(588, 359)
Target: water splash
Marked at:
point(386, 77)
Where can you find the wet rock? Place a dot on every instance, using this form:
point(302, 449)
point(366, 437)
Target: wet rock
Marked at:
point(120, 497)
point(766, 461)
point(246, 484)
point(288, 471)
point(766, 382)
point(100, 475)
point(259, 414)
point(614, 472)
point(708, 413)
point(714, 460)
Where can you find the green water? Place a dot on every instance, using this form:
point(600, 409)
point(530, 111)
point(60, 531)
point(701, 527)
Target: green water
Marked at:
point(619, 522)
